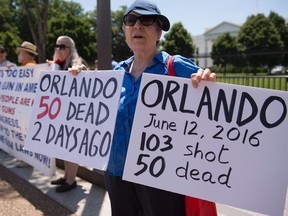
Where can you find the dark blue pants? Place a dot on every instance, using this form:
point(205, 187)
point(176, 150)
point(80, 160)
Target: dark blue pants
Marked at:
point(131, 199)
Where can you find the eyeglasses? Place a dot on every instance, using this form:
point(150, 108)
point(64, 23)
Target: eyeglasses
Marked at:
point(60, 46)
point(146, 20)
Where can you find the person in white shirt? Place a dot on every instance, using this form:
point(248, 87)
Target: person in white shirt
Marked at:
point(3, 58)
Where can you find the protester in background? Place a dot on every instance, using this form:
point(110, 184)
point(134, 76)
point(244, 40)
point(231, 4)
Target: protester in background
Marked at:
point(142, 24)
point(65, 56)
point(3, 58)
point(27, 53)
point(26, 57)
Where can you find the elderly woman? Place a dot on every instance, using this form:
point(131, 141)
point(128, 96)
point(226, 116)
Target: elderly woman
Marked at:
point(142, 24)
point(65, 56)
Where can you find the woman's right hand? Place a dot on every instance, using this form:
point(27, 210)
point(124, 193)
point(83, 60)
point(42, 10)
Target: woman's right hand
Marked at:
point(75, 70)
point(49, 62)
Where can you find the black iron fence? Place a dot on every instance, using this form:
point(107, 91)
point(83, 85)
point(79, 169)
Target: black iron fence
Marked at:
point(270, 82)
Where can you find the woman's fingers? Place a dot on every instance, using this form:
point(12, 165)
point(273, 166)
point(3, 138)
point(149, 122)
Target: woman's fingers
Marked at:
point(202, 75)
point(76, 69)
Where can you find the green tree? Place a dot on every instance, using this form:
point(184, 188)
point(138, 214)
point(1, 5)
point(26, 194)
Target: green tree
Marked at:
point(259, 37)
point(42, 21)
point(9, 31)
point(92, 45)
point(120, 49)
point(34, 13)
point(178, 41)
point(67, 18)
point(282, 29)
point(226, 50)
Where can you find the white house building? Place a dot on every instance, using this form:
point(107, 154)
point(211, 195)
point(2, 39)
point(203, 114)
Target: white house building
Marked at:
point(204, 42)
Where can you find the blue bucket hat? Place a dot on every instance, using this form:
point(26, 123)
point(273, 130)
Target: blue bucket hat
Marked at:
point(144, 7)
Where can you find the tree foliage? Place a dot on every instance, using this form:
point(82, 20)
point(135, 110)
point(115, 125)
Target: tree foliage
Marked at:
point(120, 49)
point(260, 39)
point(282, 29)
point(226, 50)
point(67, 18)
point(43, 21)
point(9, 32)
point(262, 42)
point(178, 41)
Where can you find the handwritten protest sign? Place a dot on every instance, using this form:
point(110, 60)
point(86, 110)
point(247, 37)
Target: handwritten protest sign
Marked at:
point(18, 86)
point(74, 117)
point(218, 142)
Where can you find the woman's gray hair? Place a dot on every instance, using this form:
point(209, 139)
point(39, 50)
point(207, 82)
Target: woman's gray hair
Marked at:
point(73, 58)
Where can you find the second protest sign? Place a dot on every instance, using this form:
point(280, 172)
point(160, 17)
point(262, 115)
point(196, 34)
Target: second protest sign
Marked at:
point(73, 117)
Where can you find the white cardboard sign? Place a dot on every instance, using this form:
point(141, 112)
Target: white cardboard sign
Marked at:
point(219, 142)
point(74, 116)
point(18, 87)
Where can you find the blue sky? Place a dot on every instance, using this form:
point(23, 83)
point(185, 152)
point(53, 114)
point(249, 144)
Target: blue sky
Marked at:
point(198, 15)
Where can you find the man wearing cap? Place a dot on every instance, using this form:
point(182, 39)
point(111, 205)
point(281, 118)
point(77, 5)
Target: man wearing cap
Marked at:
point(3, 58)
point(27, 53)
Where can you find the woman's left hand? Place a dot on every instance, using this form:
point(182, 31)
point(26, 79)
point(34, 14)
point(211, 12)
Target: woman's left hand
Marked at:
point(76, 69)
point(202, 75)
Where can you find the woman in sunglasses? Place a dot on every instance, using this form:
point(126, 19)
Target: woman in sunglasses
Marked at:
point(143, 25)
point(65, 56)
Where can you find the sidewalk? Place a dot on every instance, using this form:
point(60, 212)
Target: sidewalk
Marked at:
point(87, 200)
point(17, 197)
